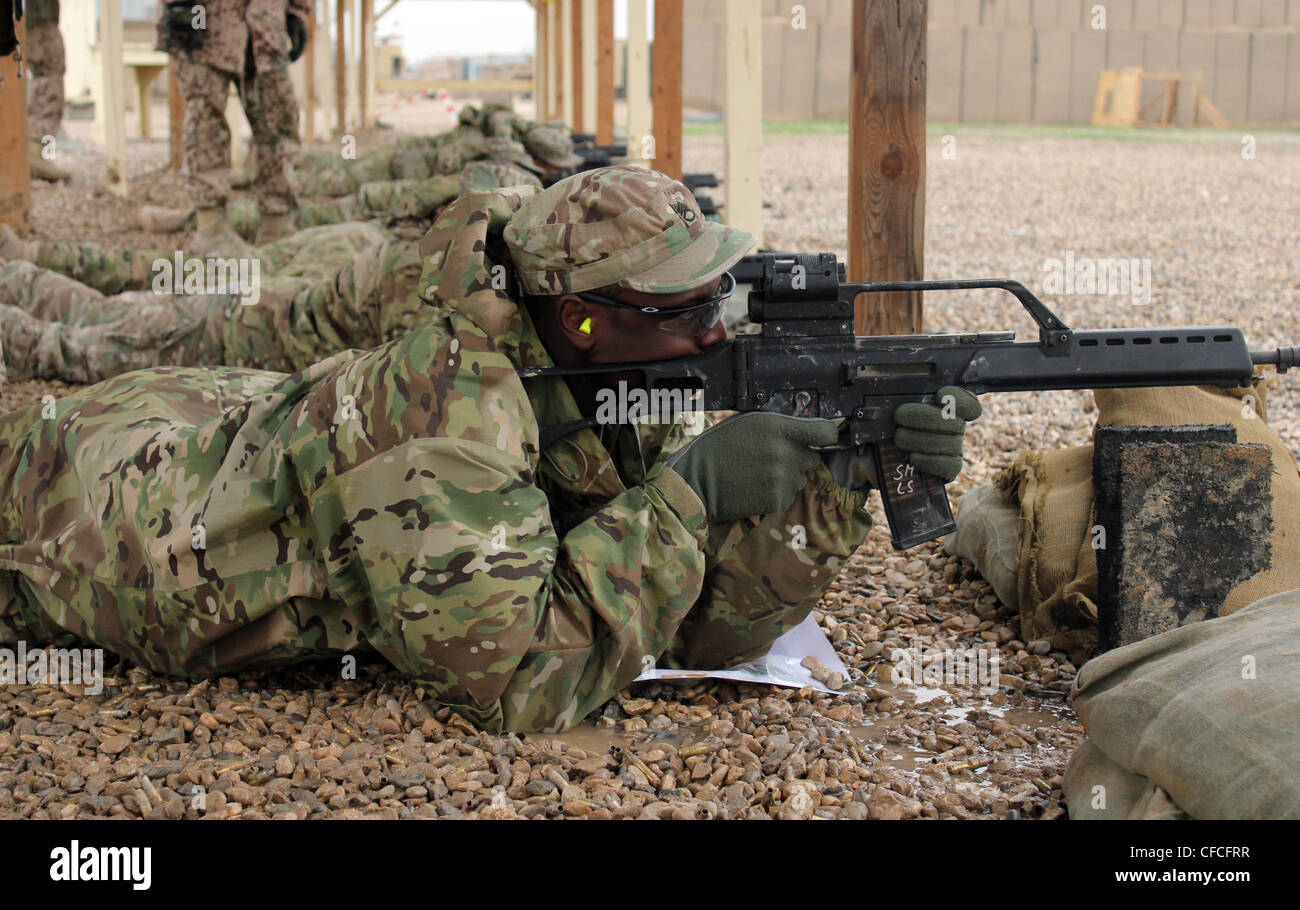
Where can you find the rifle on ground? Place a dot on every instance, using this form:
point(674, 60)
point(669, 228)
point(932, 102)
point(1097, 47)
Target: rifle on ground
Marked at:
point(807, 362)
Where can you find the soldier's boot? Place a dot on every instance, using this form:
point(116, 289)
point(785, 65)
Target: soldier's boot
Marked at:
point(14, 247)
point(275, 226)
point(159, 220)
point(43, 168)
point(213, 236)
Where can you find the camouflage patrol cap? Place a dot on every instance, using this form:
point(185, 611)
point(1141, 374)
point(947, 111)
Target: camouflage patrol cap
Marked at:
point(622, 226)
point(510, 151)
point(551, 145)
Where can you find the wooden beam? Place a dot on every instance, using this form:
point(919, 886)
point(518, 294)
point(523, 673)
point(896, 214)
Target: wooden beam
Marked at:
point(605, 72)
point(640, 140)
point(552, 60)
point(309, 77)
point(564, 99)
point(668, 87)
point(114, 95)
point(590, 74)
point(887, 160)
point(743, 115)
point(579, 122)
point(539, 62)
point(15, 178)
point(365, 84)
point(175, 119)
point(341, 68)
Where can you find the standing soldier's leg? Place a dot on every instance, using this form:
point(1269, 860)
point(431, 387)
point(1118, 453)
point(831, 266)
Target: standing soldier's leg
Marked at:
point(44, 53)
point(207, 156)
point(273, 116)
point(56, 328)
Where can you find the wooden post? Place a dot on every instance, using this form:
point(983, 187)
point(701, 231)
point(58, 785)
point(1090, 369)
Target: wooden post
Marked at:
point(668, 87)
point(604, 72)
point(886, 239)
point(743, 116)
point(565, 95)
point(552, 60)
point(539, 61)
point(366, 85)
point(590, 74)
point(15, 177)
point(341, 68)
point(640, 141)
point(110, 43)
point(579, 69)
point(175, 118)
point(309, 77)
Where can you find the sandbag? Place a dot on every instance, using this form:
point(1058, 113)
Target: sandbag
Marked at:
point(1205, 713)
point(988, 534)
point(1057, 564)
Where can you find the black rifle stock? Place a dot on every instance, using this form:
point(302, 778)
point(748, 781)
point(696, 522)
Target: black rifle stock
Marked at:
point(807, 362)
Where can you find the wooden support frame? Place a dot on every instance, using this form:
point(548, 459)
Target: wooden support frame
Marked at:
point(743, 115)
point(110, 43)
point(886, 239)
point(640, 139)
point(587, 63)
point(539, 61)
point(668, 87)
point(604, 31)
point(553, 72)
point(565, 99)
point(365, 74)
point(309, 100)
point(15, 173)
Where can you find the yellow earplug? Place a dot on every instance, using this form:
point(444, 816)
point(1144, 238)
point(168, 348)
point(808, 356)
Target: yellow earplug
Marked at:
point(585, 328)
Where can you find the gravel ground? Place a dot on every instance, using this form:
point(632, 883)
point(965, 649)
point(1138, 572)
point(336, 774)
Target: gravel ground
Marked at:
point(300, 742)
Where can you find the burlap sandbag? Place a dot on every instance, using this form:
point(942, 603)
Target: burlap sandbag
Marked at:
point(1201, 719)
point(988, 534)
point(1058, 566)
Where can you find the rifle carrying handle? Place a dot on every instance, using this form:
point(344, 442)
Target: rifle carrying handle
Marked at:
point(916, 504)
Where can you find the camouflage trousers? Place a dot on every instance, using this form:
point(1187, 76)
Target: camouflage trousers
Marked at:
point(43, 51)
point(272, 114)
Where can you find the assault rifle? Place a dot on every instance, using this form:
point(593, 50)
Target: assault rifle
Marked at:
point(807, 362)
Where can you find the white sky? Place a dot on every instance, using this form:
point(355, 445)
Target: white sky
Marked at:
point(447, 28)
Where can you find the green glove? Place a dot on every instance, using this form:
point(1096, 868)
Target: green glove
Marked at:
point(752, 464)
point(932, 440)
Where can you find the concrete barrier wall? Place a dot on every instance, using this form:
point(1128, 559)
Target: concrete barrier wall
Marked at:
point(1021, 61)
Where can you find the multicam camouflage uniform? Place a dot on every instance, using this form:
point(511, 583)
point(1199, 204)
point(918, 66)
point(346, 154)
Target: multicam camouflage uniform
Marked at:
point(246, 43)
point(201, 522)
point(321, 291)
point(43, 51)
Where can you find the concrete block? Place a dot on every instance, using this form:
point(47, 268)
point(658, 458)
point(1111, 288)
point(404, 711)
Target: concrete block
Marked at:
point(1087, 60)
point(799, 75)
point(1171, 14)
point(1187, 518)
point(1272, 13)
point(1293, 78)
point(834, 67)
point(1071, 13)
point(1195, 55)
point(773, 62)
point(1015, 13)
point(1223, 12)
point(700, 49)
point(942, 13)
point(1196, 13)
point(1119, 13)
point(1016, 76)
point(980, 66)
point(1232, 75)
point(968, 12)
point(943, 74)
point(1248, 13)
point(1045, 13)
point(1293, 13)
point(1160, 51)
point(1124, 48)
point(840, 14)
point(1052, 73)
point(1268, 53)
point(1146, 14)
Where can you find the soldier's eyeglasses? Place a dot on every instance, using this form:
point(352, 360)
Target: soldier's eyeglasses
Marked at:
point(692, 320)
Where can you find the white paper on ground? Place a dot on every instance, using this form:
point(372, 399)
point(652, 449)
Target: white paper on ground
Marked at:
point(781, 666)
